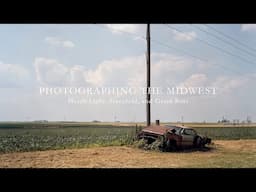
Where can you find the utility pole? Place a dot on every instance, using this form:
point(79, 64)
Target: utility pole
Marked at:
point(148, 75)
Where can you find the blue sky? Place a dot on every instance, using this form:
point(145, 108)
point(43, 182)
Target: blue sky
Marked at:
point(33, 55)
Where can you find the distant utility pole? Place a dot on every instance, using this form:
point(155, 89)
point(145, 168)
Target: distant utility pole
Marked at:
point(148, 75)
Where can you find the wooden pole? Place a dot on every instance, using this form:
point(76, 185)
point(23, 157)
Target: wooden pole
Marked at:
point(148, 75)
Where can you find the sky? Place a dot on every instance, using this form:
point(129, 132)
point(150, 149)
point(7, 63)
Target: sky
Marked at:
point(113, 55)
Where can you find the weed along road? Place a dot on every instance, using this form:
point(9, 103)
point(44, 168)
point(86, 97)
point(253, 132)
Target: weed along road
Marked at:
point(222, 154)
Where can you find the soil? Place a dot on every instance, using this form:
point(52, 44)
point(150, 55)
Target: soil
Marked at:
point(131, 157)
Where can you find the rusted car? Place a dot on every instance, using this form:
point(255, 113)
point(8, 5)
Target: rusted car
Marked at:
point(173, 137)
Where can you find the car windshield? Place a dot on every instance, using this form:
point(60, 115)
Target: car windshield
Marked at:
point(177, 129)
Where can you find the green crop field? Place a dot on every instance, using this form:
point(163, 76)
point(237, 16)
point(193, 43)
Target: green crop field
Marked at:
point(30, 136)
point(34, 137)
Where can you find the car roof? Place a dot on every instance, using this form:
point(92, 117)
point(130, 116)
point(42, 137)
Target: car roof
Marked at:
point(161, 130)
point(177, 126)
point(156, 129)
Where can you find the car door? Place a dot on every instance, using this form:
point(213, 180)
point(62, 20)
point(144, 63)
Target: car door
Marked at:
point(187, 137)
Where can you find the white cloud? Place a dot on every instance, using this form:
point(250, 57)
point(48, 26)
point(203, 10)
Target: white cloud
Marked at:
point(50, 71)
point(184, 36)
point(77, 75)
point(59, 42)
point(68, 44)
point(12, 75)
point(195, 80)
point(125, 71)
point(131, 71)
point(15, 69)
point(166, 70)
point(167, 62)
point(128, 71)
point(138, 30)
point(248, 27)
point(223, 84)
point(226, 84)
point(130, 28)
point(204, 66)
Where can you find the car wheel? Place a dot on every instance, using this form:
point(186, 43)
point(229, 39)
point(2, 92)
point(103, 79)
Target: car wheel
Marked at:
point(171, 145)
point(199, 142)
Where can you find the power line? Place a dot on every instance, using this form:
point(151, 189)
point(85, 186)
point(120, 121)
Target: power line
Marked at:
point(185, 52)
point(229, 69)
point(217, 37)
point(226, 68)
point(157, 42)
point(168, 46)
point(214, 46)
point(229, 37)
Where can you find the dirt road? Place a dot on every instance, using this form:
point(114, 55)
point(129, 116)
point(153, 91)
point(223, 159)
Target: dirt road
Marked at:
point(234, 153)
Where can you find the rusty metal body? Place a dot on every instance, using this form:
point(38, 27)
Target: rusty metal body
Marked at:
point(173, 137)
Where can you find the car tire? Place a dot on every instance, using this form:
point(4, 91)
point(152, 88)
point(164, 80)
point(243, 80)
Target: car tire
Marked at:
point(171, 145)
point(198, 142)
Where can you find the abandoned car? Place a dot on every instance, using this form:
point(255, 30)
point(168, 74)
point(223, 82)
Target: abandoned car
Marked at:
point(173, 137)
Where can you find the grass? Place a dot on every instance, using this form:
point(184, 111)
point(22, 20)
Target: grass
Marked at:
point(31, 136)
point(229, 154)
point(228, 133)
point(222, 154)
